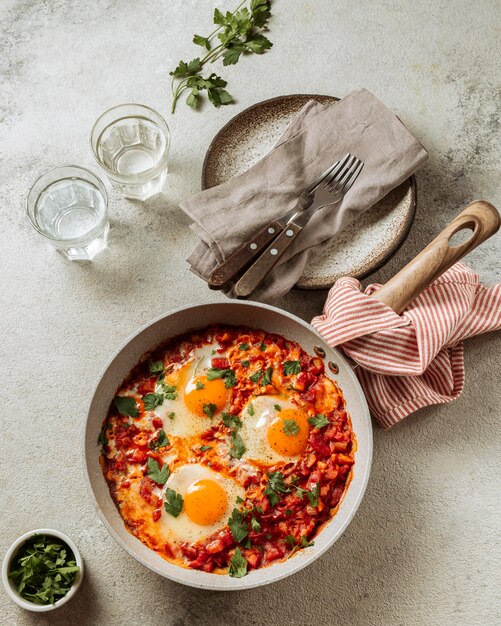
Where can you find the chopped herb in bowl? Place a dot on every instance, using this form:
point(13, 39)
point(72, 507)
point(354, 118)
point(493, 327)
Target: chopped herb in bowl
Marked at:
point(41, 569)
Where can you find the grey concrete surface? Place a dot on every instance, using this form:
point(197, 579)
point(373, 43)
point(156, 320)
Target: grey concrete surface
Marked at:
point(424, 548)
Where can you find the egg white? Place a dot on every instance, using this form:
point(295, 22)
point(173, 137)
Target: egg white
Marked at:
point(182, 528)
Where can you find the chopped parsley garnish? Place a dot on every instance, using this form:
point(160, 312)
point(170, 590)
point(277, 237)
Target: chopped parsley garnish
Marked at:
point(126, 406)
point(239, 500)
point(250, 409)
point(152, 400)
point(238, 525)
point(297, 545)
point(170, 391)
point(291, 540)
point(160, 441)
point(238, 564)
point(230, 380)
point(205, 448)
point(209, 409)
point(43, 570)
point(199, 385)
point(255, 525)
point(173, 502)
point(318, 421)
point(171, 415)
point(312, 495)
point(275, 487)
point(292, 367)
point(291, 428)
point(244, 346)
point(237, 446)
point(262, 375)
point(156, 367)
point(231, 421)
point(245, 363)
point(158, 474)
point(103, 441)
point(262, 346)
point(277, 407)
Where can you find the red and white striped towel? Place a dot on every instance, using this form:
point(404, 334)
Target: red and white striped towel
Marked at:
point(415, 359)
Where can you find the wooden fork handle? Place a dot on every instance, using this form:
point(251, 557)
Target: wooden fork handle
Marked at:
point(267, 261)
point(481, 217)
point(243, 256)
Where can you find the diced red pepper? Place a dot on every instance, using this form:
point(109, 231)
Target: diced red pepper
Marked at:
point(147, 386)
point(157, 422)
point(220, 364)
point(156, 514)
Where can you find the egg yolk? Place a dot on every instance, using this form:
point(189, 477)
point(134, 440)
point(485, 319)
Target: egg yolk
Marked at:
point(205, 502)
point(206, 395)
point(288, 433)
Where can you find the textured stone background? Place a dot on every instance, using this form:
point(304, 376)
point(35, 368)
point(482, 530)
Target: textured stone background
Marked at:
point(424, 547)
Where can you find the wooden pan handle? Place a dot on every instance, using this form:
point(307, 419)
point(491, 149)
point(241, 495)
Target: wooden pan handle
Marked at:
point(480, 217)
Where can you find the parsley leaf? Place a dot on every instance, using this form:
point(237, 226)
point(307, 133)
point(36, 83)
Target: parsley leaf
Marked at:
point(204, 448)
point(291, 428)
point(238, 564)
point(171, 415)
point(237, 446)
point(250, 409)
point(275, 487)
point(209, 409)
point(262, 375)
point(231, 421)
point(318, 421)
point(173, 502)
point(230, 379)
point(238, 525)
point(170, 391)
point(277, 407)
point(126, 406)
point(244, 346)
point(156, 367)
point(245, 363)
point(312, 495)
point(262, 346)
point(157, 474)
point(202, 41)
point(160, 441)
point(152, 400)
point(292, 367)
point(199, 385)
point(255, 525)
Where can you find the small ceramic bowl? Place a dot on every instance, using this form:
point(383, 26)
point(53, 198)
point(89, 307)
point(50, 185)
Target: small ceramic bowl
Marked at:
point(10, 588)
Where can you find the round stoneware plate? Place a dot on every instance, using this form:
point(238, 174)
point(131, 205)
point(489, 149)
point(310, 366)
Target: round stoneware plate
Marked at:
point(365, 244)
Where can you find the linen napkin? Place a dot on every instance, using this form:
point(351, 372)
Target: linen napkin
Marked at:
point(415, 359)
point(227, 215)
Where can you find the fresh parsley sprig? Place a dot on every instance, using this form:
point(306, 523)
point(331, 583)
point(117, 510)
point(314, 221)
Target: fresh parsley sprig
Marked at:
point(238, 564)
point(237, 33)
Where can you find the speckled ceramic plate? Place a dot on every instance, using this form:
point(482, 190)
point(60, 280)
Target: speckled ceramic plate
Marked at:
point(364, 245)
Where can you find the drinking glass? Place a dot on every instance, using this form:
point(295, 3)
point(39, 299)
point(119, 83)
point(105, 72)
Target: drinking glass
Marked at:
point(131, 143)
point(69, 207)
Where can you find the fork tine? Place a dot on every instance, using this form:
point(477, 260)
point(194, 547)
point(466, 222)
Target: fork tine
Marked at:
point(344, 176)
point(353, 177)
point(338, 171)
point(327, 175)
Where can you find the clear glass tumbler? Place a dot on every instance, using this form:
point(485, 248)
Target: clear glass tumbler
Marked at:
point(69, 207)
point(131, 143)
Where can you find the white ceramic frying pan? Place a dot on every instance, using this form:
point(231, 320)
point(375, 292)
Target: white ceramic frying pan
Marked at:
point(481, 217)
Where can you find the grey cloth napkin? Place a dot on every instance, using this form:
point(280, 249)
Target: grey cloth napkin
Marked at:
point(227, 215)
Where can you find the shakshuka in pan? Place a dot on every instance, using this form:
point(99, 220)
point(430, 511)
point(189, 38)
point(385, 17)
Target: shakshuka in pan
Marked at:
point(227, 449)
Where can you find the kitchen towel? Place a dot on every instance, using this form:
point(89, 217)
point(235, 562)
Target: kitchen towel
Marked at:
point(226, 216)
point(415, 359)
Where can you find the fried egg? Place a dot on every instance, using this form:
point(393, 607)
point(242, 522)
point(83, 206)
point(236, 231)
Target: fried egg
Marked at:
point(208, 500)
point(273, 430)
point(196, 397)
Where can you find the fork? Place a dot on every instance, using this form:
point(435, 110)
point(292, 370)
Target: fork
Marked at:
point(329, 193)
point(252, 248)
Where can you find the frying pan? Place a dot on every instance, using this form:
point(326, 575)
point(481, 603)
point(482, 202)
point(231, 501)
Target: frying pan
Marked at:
point(480, 217)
